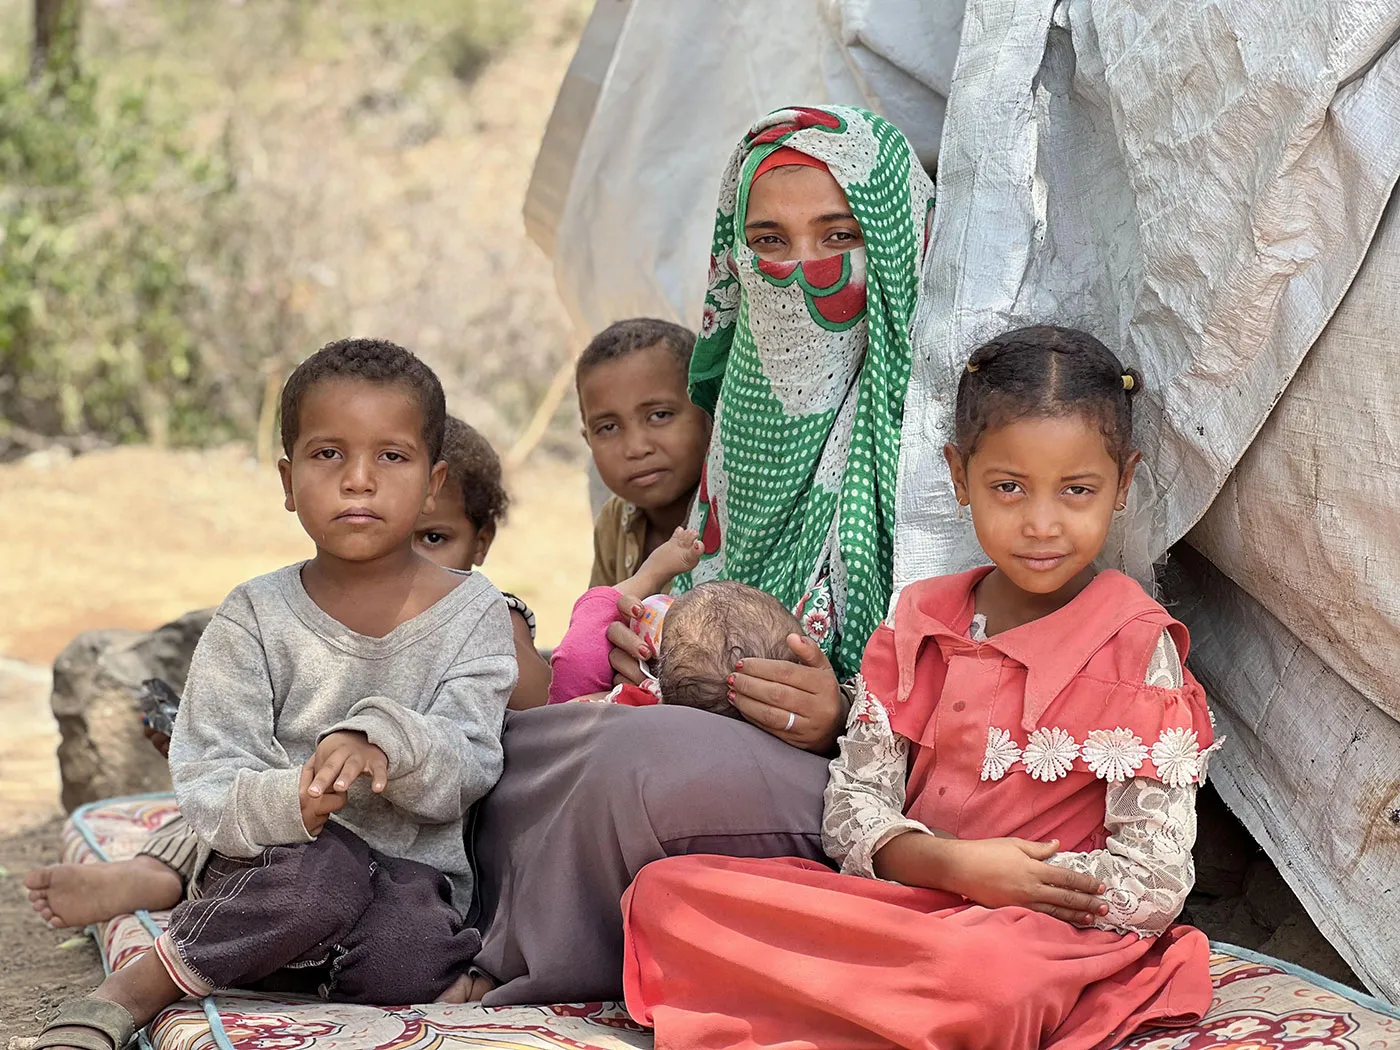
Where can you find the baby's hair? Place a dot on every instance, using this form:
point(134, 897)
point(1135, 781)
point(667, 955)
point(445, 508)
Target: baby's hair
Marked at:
point(709, 630)
point(627, 337)
point(474, 467)
point(375, 361)
point(1043, 372)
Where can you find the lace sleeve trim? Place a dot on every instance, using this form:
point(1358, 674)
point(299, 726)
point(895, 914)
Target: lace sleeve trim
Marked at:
point(865, 792)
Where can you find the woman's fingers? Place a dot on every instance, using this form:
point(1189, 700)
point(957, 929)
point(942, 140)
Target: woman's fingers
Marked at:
point(809, 652)
point(774, 719)
point(629, 604)
point(626, 652)
point(767, 691)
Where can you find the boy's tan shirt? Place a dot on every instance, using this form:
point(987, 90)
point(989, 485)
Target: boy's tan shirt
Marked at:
point(619, 537)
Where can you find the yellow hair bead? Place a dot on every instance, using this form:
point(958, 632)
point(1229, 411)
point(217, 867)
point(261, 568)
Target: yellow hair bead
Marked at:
point(971, 367)
point(1128, 382)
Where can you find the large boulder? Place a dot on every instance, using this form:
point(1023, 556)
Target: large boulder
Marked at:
point(102, 751)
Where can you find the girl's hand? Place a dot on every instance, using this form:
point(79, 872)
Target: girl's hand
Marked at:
point(801, 704)
point(628, 650)
point(999, 873)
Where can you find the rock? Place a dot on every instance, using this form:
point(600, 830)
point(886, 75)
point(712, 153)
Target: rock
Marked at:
point(1223, 849)
point(102, 751)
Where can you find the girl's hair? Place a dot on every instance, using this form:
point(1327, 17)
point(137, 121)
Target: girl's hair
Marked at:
point(473, 466)
point(1046, 371)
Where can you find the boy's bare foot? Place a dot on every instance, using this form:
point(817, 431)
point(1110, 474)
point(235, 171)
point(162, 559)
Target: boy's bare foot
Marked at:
point(679, 554)
point(79, 894)
point(466, 989)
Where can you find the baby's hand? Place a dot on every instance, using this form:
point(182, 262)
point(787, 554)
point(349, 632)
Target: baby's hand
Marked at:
point(681, 553)
point(316, 809)
point(343, 756)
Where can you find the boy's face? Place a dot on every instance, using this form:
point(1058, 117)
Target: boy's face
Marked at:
point(447, 536)
point(648, 440)
point(360, 473)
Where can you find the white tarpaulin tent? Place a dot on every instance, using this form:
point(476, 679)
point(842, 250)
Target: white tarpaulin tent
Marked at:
point(1203, 184)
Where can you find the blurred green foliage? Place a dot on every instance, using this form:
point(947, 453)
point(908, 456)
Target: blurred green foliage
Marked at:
point(104, 214)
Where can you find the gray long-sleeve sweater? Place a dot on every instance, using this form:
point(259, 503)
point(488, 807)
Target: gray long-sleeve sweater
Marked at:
point(274, 673)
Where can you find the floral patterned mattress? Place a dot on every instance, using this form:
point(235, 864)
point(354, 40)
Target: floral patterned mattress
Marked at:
point(1260, 1003)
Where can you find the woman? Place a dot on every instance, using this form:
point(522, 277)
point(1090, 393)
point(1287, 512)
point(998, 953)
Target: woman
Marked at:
point(803, 358)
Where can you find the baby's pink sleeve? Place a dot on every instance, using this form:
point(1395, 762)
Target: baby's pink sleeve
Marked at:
point(580, 662)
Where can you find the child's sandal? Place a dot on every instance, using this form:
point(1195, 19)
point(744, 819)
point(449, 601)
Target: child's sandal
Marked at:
point(92, 1024)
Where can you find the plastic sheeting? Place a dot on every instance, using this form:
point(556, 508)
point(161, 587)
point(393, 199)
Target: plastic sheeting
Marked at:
point(1197, 182)
point(627, 208)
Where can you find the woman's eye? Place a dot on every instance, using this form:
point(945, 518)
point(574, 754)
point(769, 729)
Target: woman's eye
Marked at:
point(768, 240)
point(664, 415)
point(845, 236)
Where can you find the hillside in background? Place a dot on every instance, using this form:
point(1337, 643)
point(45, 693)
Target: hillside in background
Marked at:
point(298, 170)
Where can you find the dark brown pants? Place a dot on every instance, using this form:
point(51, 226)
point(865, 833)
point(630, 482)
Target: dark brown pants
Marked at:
point(330, 917)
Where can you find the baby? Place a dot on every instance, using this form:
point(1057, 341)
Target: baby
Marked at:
point(693, 641)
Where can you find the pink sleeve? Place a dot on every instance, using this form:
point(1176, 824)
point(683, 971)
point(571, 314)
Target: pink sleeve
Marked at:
point(580, 662)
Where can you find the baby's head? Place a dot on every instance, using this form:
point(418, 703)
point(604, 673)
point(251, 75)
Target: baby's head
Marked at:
point(362, 429)
point(710, 629)
point(459, 531)
point(647, 438)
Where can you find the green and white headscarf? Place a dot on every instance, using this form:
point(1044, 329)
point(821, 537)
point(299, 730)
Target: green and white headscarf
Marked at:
point(804, 366)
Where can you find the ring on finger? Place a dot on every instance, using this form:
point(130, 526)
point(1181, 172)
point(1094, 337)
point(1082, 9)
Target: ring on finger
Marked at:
point(792, 721)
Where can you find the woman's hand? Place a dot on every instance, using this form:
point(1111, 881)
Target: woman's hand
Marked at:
point(801, 704)
point(628, 650)
point(996, 873)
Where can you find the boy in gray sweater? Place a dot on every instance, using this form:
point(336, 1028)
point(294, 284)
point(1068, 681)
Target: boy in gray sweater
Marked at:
point(340, 718)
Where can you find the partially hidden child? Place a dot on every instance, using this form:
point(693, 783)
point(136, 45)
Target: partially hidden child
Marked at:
point(339, 719)
point(647, 439)
point(1016, 726)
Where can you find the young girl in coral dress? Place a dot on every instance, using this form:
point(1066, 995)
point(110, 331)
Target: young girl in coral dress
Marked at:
point(1016, 722)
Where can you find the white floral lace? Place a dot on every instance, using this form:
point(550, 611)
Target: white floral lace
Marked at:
point(1146, 861)
point(865, 793)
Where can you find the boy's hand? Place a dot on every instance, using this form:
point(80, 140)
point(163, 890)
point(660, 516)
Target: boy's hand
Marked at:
point(999, 873)
point(316, 809)
point(343, 756)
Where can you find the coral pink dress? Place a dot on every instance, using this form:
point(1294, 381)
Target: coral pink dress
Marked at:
point(1034, 733)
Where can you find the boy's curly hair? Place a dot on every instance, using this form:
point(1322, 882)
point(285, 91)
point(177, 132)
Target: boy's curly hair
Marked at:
point(710, 629)
point(375, 361)
point(474, 467)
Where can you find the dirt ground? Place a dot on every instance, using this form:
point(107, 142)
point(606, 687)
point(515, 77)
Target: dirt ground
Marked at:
point(133, 537)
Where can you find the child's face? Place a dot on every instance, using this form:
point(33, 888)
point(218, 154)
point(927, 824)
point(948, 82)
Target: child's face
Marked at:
point(799, 213)
point(647, 438)
point(447, 536)
point(1042, 493)
point(360, 473)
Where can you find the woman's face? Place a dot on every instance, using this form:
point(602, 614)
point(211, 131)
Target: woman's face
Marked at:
point(796, 212)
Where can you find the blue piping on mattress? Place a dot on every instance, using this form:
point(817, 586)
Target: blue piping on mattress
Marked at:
point(1370, 1002)
point(211, 1010)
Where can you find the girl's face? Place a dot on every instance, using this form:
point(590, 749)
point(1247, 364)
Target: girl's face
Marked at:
point(798, 213)
point(1042, 494)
